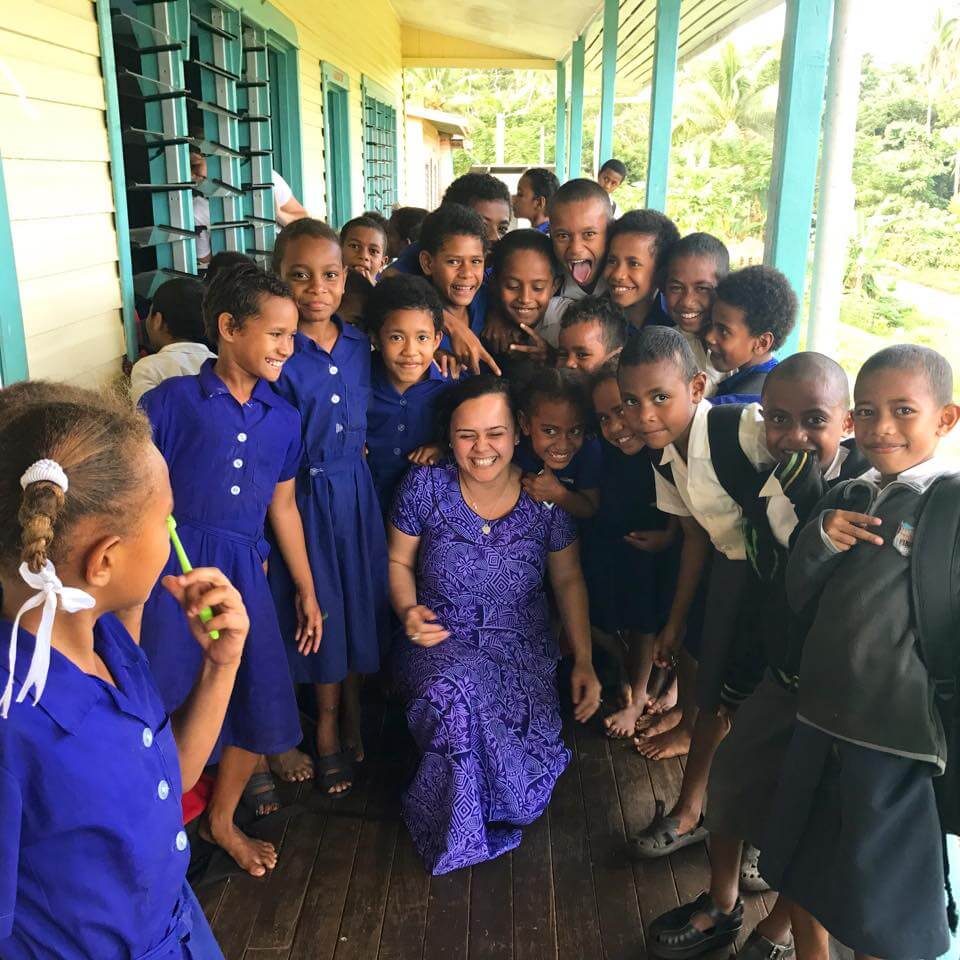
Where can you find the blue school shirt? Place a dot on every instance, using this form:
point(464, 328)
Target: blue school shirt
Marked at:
point(398, 423)
point(93, 853)
point(331, 391)
point(225, 458)
point(581, 473)
point(744, 386)
point(544, 227)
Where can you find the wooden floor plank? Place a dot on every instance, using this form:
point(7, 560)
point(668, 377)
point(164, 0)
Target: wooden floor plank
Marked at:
point(447, 932)
point(275, 953)
point(405, 916)
point(578, 926)
point(210, 896)
point(653, 879)
point(621, 927)
point(491, 910)
point(534, 918)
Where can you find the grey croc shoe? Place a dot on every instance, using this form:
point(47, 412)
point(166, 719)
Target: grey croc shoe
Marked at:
point(758, 947)
point(661, 837)
point(750, 879)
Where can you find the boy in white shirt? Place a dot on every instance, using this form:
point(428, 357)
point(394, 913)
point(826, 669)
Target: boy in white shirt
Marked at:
point(175, 330)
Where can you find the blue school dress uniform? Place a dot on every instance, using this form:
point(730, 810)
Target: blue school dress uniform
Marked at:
point(341, 515)
point(398, 423)
point(544, 227)
point(581, 473)
point(744, 386)
point(225, 461)
point(93, 854)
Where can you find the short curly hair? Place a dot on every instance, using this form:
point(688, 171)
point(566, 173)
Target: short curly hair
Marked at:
point(924, 361)
point(554, 383)
point(614, 329)
point(766, 298)
point(451, 220)
point(543, 182)
point(239, 291)
point(476, 186)
point(649, 223)
point(402, 291)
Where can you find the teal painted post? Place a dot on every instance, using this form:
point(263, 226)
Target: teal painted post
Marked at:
point(665, 43)
point(13, 344)
point(118, 178)
point(560, 161)
point(796, 143)
point(608, 76)
point(576, 109)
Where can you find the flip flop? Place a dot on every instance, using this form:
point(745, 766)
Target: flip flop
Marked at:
point(662, 836)
point(332, 769)
point(261, 791)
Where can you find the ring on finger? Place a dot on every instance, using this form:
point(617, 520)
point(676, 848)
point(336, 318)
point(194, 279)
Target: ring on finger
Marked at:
point(414, 637)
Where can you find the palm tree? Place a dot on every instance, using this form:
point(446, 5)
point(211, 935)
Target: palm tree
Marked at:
point(942, 63)
point(732, 97)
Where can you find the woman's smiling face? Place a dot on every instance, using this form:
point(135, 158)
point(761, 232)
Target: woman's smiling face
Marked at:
point(483, 435)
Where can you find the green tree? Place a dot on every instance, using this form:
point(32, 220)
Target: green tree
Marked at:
point(940, 68)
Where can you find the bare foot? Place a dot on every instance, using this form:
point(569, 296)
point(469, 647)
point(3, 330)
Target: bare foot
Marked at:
point(623, 723)
point(652, 725)
point(673, 743)
point(292, 766)
point(254, 856)
point(665, 700)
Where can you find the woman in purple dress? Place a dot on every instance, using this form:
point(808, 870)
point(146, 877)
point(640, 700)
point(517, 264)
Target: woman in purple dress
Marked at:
point(469, 551)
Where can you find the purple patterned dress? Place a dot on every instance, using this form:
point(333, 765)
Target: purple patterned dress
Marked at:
point(482, 705)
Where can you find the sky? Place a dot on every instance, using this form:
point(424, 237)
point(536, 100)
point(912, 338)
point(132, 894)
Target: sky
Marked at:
point(895, 32)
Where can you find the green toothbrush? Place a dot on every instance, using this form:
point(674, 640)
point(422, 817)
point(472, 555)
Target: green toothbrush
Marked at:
point(206, 614)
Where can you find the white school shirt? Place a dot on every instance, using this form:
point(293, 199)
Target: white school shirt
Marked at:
point(201, 219)
point(714, 376)
point(549, 327)
point(282, 191)
point(696, 490)
point(174, 360)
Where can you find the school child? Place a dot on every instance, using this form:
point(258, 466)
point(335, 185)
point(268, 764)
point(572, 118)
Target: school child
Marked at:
point(531, 202)
point(561, 464)
point(364, 243)
point(662, 392)
point(854, 839)
point(404, 317)
point(639, 246)
point(752, 315)
point(91, 767)
point(806, 414)
point(611, 176)
point(696, 264)
point(224, 260)
point(621, 546)
point(592, 332)
point(233, 448)
point(174, 328)
point(328, 380)
point(403, 229)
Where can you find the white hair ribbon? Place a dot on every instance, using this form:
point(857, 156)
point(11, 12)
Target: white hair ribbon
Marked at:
point(50, 593)
point(45, 470)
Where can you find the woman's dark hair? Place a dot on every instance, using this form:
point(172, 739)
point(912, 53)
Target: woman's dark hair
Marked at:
point(649, 223)
point(552, 383)
point(98, 440)
point(451, 220)
point(766, 298)
point(476, 186)
point(402, 291)
point(239, 292)
point(543, 182)
point(702, 245)
point(526, 239)
point(366, 221)
point(180, 303)
point(658, 345)
point(616, 166)
point(406, 222)
point(485, 384)
point(307, 227)
point(224, 260)
point(614, 328)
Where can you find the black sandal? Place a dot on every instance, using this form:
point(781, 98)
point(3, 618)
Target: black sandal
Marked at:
point(332, 769)
point(261, 791)
point(673, 937)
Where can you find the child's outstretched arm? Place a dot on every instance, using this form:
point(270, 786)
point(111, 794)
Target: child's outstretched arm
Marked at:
point(288, 529)
point(544, 487)
point(197, 724)
point(693, 556)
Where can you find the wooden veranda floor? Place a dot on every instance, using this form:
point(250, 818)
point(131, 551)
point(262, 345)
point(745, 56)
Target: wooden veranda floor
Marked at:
point(350, 886)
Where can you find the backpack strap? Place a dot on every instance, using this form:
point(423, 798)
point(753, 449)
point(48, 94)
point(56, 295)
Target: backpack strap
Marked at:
point(737, 475)
point(935, 573)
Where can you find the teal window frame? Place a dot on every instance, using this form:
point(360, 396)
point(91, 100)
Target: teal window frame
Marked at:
point(13, 343)
point(378, 141)
point(285, 103)
point(335, 85)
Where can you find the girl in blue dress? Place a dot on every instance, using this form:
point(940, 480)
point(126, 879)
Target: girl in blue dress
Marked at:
point(93, 855)
point(328, 381)
point(233, 449)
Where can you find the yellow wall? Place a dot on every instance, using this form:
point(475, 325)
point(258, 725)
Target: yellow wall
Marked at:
point(359, 38)
point(53, 139)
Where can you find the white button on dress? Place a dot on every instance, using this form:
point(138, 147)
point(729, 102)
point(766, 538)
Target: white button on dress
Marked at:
point(181, 841)
point(147, 737)
point(334, 370)
point(235, 490)
point(335, 398)
point(242, 437)
point(163, 789)
point(238, 463)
